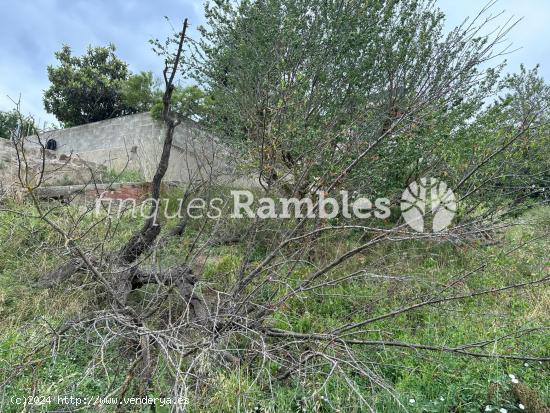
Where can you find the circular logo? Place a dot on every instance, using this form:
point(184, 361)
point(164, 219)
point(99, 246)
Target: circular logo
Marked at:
point(428, 205)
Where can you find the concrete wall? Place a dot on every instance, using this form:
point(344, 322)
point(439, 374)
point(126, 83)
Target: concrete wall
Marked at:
point(107, 134)
point(57, 168)
point(135, 142)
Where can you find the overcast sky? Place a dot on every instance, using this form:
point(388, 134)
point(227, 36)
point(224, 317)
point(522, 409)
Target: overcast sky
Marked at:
point(32, 30)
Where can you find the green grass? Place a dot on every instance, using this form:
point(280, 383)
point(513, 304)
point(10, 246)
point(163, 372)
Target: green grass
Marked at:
point(437, 382)
point(126, 175)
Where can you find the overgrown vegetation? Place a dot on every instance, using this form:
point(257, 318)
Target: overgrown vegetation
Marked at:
point(9, 122)
point(437, 382)
point(98, 85)
point(342, 312)
point(125, 175)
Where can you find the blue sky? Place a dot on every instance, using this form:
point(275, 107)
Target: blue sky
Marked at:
point(32, 30)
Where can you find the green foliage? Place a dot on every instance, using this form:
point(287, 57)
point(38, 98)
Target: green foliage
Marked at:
point(189, 102)
point(11, 121)
point(140, 92)
point(98, 86)
point(87, 88)
point(294, 78)
point(529, 170)
point(437, 382)
point(126, 175)
point(304, 87)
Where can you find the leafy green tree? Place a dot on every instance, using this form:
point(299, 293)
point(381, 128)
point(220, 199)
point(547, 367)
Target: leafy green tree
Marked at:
point(189, 102)
point(87, 88)
point(11, 121)
point(98, 86)
point(140, 92)
point(522, 171)
point(303, 80)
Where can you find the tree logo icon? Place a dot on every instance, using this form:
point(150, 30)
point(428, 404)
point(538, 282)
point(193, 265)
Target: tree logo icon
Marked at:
point(428, 205)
